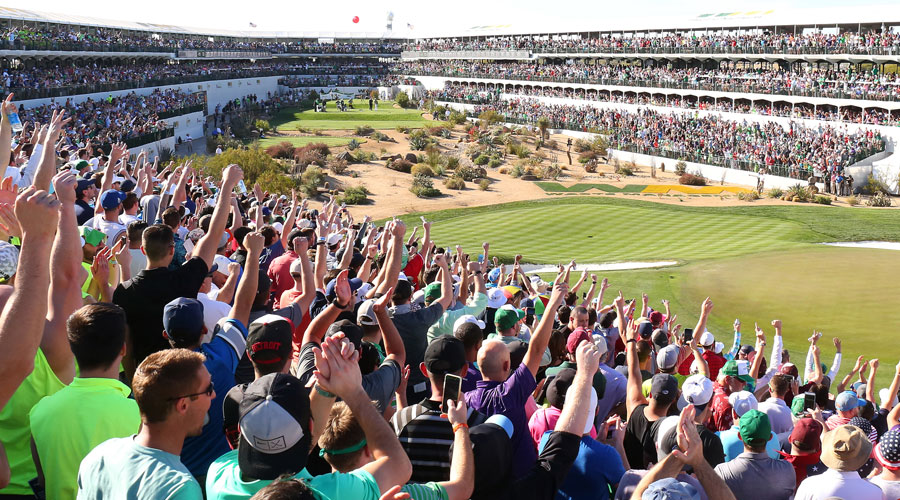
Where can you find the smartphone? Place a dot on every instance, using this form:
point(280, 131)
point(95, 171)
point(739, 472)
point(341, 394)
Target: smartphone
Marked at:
point(452, 385)
point(688, 334)
point(809, 401)
point(15, 121)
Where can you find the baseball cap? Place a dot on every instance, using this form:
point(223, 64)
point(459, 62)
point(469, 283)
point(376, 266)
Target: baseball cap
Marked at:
point(790, 369)
point(697, 390)
point(667, 357)
point(83, 184)
point(747, 349)
point(127, 186)
point(351, 331)
point(91, 236)
point(707, 339)
point(847, 401)
point(467, 318)
point(274, 424)
point(655, 317)
point(845, 448)
point(183, 319)
point(718, 347)
point(659, 338)
point(9, 261)
point(365, 315)
point(432, 291)
point(664, 388)
point(80, 164)
point(446, 354)
point(496, 299)
point(807, 434)
point(270, 339)
point(645, 328)
point(797, 405)
point(575, 338)
point(558, 385)
point(743, 401)
point(887, 451)
point(739, 369)
point(296, 266)
point(494, 274)
point(670, 489)
point(278, 226)
point(503, 422)
point(755, 427)
point(527, 305)
point(111, 198)
point(333, 239)
point(505, 318)
point(355, 283)
point(221, 262)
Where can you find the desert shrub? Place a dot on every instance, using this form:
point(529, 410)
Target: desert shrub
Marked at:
point(484, 184)
point(549, 172)
point(680, 168)
point(822, 199)
point(418, 143)
point(262, 126)
point(748, 196)
point(879, 200)
point(852, 200)
point(457, 118)
point(421, 169)
point(363, 130)
point(437, 131)
point(422, 187)
point(482, 159)
point(691, 179)
point(402, 99)
point(220, 141)
point(488, 118)
point(400, 165)
point(627, 169)
point(504, 170)
point(353, 145)
point(454, 183)
point(302, 129)
point(354, 195)
point(590, 167)
point(337, 166)
point(775, 193)
point(402, 129)
point(552, 144)
point(517, 171)
point(581, 145)
point(797, 193)
point(588, 156)
point(283, 150)
point(318, 132)
point(452, 163)
point(306, 157)
point(494, 162)
point(469, 173)
point(378, 136)
point(365, 156)
point(433, 157)
point(310, 180)
point(874, 186)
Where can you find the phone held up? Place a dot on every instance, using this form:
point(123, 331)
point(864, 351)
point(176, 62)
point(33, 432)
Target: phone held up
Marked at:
point(452, 386)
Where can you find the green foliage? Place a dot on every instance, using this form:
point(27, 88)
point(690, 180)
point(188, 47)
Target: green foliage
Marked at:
point(852, 200)
point(312, 154)
point(363, 130)
point(262, 126)
point(627, 169)
point(517, 171)
point(748, 196)
point(378, 136)
point(355, 195)
point(403, 129)
point(220, 141)
point(482, 159)
point(581, 145)
point(337, 166)
point(494, 162)
point(353, 145)
point(775, 193)
point(543, 123)
point(452, 162)
point(419, 140)
point(468, 173)
point(484, 184)
point(874, 186)
point(402, 99)
point(797, 193)
point(488, 118)
point(454, 183)
point(879, 200)
point(165, 154)
point(421, 169)
point(820, 199)
point(422, 187)
point(311, 179)
point(457, 118)
point(366, 156)
point(257, 165)
point(680, 167)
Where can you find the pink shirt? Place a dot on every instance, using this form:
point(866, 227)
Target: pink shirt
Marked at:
point(543, 420)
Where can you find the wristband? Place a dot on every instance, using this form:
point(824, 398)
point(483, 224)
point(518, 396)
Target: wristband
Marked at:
point(323, 392)
point(460, 426)
point(478, 273)
point(338, 304)
point(631, 340)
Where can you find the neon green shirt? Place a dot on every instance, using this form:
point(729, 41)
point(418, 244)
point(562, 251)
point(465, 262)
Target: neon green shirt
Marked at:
point(645, 386)
point(426, 491)
point(95, 409)
point(15, 427)
point(223, 482)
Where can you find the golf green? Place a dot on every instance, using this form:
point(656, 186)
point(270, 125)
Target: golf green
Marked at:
point(756, 263)
point(386, 117)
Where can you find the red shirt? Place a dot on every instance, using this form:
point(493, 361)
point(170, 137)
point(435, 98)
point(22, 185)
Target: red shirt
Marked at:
point(804, 464)
point(280, 274)
point(414, 266)
point(720, 415)
point(715, 362)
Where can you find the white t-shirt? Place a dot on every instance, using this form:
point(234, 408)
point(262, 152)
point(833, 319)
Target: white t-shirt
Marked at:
point(111, 229)
point(126, 219)
point(138, 261)
point(891, 489)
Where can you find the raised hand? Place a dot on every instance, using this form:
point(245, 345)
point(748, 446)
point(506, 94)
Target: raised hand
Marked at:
point(301, 245)
point(8, 191)
point(233, 268)
point(342, 360)
point(776, 323)
point(837, 343)
point(254, 242)
point(587, 358)
point(456, 411)
point(690, 448)
point(619, 302)
point(57, 124)
point(558, 294)
point(8, 107)
point(37, 213)
point(381, 304)
point(232, 175)
point(706, 307)
point(342, 289)
point(859, 364)
point(100, 266)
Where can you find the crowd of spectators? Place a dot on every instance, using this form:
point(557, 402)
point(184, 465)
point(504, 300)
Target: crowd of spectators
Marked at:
point(280, 348)
point(872, 42)
point(796, 151)
point(484, 94)
point(828, 84)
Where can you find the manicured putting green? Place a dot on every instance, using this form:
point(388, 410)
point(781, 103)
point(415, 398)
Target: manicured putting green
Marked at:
point(304, 140)
point(387, 117)
point(757, 263)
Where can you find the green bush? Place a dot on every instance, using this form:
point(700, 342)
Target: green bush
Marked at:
point(422, 187)
point(797, 193)
point(452, 163)
point(822, 199)
point(257, 165)
point(457, 118)
point(488, 118)
point(468, 173)
point(310, 181)
point(775, 193)
point(354, 195)
point(363, 130)
point(879, 200)
point(494, 163)
point(421, 169)
point(402, 129)
point(365, 156)
point(484, 184)
point(262, 126)
point(353, 145)
point(482, 159)
point(627, 170)
point(454, 183)
point(873, 186)
point(402, 99)
point(517, 171)
point(378, 136)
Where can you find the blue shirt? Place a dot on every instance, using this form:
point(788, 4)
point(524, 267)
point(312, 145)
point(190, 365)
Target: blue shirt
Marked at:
point(597, 469)
point(733, 446)
point(222, 355)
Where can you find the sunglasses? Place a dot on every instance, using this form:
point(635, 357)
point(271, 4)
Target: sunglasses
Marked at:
point(209, 392)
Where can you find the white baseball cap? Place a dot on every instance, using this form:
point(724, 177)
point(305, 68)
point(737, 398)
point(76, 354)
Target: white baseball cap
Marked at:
point(742, 402)
point(365, 315)
point(222, 262)
point(707, 339)
point(467, 318)
point(697, 390)
point(496, 299)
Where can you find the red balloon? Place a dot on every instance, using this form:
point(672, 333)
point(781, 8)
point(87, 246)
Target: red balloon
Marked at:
point(355, 19)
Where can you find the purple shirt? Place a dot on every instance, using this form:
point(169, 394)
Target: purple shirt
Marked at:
point(614, 394)
point(473, 376)
point(508, 399)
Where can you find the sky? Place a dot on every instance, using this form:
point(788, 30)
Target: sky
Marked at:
point(423, 15)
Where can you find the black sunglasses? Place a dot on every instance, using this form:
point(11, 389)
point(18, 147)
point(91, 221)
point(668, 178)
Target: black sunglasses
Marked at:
point(209, 391)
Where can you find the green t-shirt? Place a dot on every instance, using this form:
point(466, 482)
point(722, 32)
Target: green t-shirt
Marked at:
point(426, 491)
point(15, 426)
point(94, 410)
point(223, 482)
point(121, 468)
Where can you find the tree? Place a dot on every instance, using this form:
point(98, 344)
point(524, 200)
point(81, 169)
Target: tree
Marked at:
point(402, 99)
point(543, 123)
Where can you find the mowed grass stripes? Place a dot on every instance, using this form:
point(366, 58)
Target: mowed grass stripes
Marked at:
point(387, 117)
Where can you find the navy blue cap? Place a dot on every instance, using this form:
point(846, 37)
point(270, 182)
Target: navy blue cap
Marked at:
point(83, 184)
point(183, 319)
point(127, 186)
point(111, 198)
point(355, 283)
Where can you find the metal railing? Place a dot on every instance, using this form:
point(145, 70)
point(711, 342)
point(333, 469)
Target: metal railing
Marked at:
point(537, 51)
point(196, 108)
point(465, 54)
point(134, 142)
point(82, 46)
point(709, 86)
point(223, 54)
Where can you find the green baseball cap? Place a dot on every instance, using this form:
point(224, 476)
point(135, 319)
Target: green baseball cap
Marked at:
point(739, 369)
point(755, 428)
point(797, 405)
point(91, 236)
point(505, 319)
point(432, 292)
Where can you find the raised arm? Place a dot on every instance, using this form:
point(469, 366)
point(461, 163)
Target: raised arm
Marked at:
point(322, 230)
point(393, 344)
point(846, 380)
point(316, 330)
point(591, 291)
point(446, 297)
point(892, 390)
point(289, 222)
point(237, 220)
point(462, 463)
point(870, 383)
point(576, 409)
point(393, 260)
point(347, 256)
point(705, 308)
point(206, 247)
point(23, 316)
point(836, 364)
point(634, 397)
point(226, 293)
point(246, 291)
point(541, 336)
point(5, 135)
point(47, 167)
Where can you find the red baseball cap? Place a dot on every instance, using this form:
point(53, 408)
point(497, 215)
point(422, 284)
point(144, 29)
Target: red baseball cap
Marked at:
point(576, 337)
point(807, 434)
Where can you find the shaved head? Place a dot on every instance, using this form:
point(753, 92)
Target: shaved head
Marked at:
point(493, 359)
